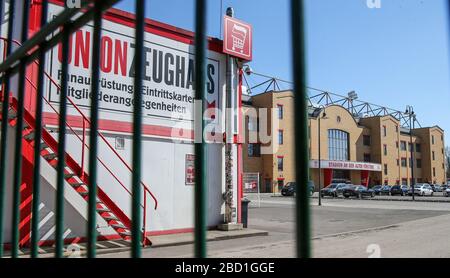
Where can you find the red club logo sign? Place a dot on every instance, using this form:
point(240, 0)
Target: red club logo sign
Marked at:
point(237, 38)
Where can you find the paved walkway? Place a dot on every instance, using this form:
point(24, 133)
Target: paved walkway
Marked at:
point(116, 246)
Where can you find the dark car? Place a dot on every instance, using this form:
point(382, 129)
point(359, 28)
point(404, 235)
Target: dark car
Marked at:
point(358, 191)
point(405, 189)
point(377, 189)
point(399, 190)
point(290, 188)
point(436, 188)
point(333, 190)
point(385, 190)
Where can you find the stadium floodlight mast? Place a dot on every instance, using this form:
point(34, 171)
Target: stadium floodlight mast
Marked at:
point(352, 95)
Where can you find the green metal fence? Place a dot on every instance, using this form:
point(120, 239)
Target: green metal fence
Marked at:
point(58, 30)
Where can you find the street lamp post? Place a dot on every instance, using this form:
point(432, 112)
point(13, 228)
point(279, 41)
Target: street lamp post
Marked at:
point(410, 113)
point(322, 108)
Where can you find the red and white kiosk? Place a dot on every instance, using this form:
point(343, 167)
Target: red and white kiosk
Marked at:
point(167, 146)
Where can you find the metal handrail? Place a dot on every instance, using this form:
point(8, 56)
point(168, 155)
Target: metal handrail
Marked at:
point(84, 144)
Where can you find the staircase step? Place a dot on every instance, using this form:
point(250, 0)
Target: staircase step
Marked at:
point(77, 184)
point(110, 217)
point(12, 114)
point(84, 193)
point(103, 210)
point(50, 156)
point(125, 233)
point(43, 146)
point(69, 175)
point(119, 226)
point(29, 136)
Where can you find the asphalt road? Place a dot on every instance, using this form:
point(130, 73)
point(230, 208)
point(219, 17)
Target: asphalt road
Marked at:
point(340, 228)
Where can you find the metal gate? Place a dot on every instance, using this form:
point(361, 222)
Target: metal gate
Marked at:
point(58, 30)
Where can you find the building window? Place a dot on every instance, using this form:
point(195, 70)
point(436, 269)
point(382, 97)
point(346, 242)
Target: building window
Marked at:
point(432, 139)
point(338, 145)
point(396, 128)
point(404, 181)
point(366, 140)
point(367, 157)
point(396, 144)
point(410, 147)
point(443, 166)
point(419, 163)
point(280, 111)
point(442, 138)
point(432, 155)
point(385, 149)
point(280, 137)
point(384, 131)
point(434, 172)
point(442, 151)
point(418, 148)
point(280, 163)
point(385, 169)
point(398, 162)
point(254, 150)
point(404, 162)
point(410, 162)
point(403, 145)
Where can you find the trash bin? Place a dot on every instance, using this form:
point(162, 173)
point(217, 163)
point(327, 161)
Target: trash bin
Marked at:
point(244, 215)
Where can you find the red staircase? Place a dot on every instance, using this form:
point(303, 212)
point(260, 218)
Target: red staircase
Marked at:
point(75, 174)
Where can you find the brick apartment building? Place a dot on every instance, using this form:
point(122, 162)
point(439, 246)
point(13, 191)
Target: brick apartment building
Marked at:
point(363, 150)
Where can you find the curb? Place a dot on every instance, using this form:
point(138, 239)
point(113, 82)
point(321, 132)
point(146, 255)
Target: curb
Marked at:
point(83, 251)
point(224, 237)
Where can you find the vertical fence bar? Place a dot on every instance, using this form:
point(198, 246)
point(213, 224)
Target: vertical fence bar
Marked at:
point(17, 178)
point(37, 145)
point(137, 132)
point(200, 148)
point(301, 130)
point(83, 147)
point(92, 203)
point(59, 215)
point(4, 135)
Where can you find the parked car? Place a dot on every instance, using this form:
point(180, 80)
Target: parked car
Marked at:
point(377, 189)
point(385, 190)
point(401, 190)
point(358, 191)
point(446, 192)
point(289, 188)
point(333, 190)
point(421, 189)
point(437, 188)
point(341, 181)
point(405, 189)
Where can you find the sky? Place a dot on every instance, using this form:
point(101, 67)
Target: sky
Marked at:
point(395, 55)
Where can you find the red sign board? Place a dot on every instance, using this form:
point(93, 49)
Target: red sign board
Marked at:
point(237, 40)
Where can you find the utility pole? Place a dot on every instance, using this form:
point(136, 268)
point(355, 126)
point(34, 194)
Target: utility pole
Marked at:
point(230, 209)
